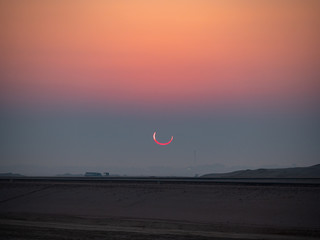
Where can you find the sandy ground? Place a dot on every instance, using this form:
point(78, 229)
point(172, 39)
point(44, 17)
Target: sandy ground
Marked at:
point(158, 211)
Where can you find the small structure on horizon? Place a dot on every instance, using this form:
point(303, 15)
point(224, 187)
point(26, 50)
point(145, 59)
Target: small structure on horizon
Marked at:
point(93, 174)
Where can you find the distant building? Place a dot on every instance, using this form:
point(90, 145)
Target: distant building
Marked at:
point(93, 174)
point(106, 174)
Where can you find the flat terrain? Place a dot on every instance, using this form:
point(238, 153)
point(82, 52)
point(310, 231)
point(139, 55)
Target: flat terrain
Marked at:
point(158, 209)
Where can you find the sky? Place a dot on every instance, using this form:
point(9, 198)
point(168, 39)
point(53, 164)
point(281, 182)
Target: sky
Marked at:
point(85, 84)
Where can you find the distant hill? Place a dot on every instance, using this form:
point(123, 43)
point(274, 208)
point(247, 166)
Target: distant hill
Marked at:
point(69, 175)
point(296, 172)
point(9, 174)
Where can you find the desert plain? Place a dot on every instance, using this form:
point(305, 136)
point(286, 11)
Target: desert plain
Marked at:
point(158, 210)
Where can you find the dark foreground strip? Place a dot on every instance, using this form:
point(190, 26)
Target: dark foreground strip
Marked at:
point(173, 180)
point(146, 231)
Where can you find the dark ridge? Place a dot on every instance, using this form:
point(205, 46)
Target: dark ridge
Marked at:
point(9, 174)
point(296, 172)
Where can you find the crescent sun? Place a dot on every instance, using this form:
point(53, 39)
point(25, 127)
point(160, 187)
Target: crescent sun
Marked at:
point(154, 138)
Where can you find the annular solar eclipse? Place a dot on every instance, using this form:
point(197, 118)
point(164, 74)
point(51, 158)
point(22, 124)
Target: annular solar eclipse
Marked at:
point(154, 138)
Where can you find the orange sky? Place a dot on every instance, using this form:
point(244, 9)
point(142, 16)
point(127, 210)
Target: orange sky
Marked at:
point(150, 53)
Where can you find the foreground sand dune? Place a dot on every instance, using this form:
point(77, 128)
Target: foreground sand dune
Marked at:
point(205, 210)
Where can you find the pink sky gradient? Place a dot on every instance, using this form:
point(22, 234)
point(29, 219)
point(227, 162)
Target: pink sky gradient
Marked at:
point(157, 54)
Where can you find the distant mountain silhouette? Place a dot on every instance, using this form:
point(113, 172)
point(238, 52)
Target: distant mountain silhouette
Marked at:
point(69, 175)
point(296, 172)
point(9, 174)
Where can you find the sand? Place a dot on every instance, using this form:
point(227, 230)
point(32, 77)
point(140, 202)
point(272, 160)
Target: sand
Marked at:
point(199, 211)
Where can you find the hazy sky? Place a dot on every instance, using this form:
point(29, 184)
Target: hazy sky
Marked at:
point(84, 84)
